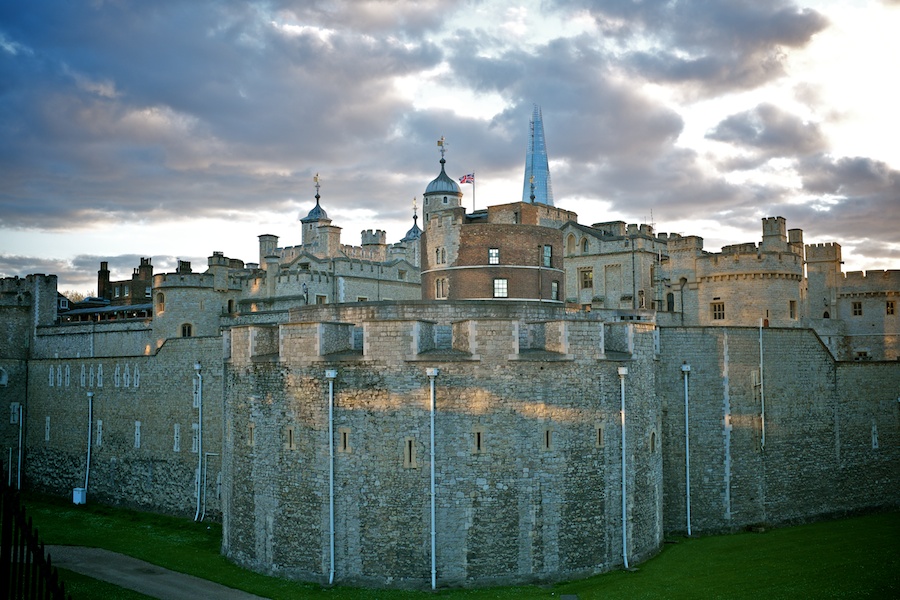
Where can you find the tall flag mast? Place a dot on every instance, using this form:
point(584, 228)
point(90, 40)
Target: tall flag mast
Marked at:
point(470, 178)
point(537, 168)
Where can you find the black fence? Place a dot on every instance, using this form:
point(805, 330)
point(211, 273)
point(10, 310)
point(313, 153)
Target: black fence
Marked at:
point(25, 569)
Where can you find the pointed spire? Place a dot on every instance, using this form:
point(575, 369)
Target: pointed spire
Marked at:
point(414, 233)
point(537, 168)
point(317, 213)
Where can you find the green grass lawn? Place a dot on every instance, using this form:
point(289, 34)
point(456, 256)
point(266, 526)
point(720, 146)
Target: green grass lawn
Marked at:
point(851, 558)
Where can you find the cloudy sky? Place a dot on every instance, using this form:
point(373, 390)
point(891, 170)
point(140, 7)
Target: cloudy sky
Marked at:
point(175, 129)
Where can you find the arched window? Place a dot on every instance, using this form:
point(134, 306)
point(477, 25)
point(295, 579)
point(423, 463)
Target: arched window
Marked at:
point(160, 302)
point(827, 315)
point(584, 246)
point(670, 302)
point(652, 442)
point(187, 330)
point(570, 245)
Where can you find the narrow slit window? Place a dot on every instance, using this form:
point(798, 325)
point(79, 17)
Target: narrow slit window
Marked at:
point(409, 453)
point(478, 440)
point(99, 432)
point(176, 441)
point(344, 439)
point(250, 437)
point(137, 434)
point(548, 439)
point(598, 438)
point(47, 429)
point(290, 440)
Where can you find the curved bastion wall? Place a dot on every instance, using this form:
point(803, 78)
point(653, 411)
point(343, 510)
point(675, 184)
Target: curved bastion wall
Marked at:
point(527, 448)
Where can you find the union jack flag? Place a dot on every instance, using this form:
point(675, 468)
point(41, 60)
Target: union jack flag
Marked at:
point(470, 178)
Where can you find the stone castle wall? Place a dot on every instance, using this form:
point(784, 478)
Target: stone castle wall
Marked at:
point(818, 457)
point(143, 453)
point(527, 461)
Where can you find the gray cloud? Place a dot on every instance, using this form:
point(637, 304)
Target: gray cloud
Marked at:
point(768, 132)
point(709, 47)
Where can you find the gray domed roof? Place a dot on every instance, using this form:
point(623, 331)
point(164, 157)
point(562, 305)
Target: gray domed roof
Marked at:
point(316, 214)
point(442, 184)
point(414, 233)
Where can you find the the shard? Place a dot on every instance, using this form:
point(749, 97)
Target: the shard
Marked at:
point(537, 186)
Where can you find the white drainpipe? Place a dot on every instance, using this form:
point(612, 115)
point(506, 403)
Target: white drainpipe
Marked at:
point(87, 468)
point(623, 371)
point(432, 373)
point(331, 374)
point(19, 468)
point(686, 369)
point(197, 368)
point(762, 393)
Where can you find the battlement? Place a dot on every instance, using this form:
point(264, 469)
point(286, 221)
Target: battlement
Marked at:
point(827, 252)
point(880, 281)
point(20, 284)
point(686, 243)
point(376, 237)
point(747, 248)
point(188, 279)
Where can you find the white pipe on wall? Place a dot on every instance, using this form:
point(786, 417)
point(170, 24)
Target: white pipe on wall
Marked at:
point(87, 468)
point(199, 375)
point(331, 374)
point(21, 441)
point(432, 373)
point(623, 371)
point(762, 392)
point(686, 369)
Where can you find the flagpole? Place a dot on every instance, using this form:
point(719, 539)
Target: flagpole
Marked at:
point(473, 191)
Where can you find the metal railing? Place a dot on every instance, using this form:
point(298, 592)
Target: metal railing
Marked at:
point(25, 568)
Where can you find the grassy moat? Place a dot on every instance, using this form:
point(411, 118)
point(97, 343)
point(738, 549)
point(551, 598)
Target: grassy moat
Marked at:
point(856, 557)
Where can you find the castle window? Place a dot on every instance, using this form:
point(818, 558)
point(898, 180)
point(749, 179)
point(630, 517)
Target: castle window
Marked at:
point(670, 302)
point(137, 434)
point(99, 432)
point(857, 309)
point(176, 442)
point(47, 429)
point(251, 438)
point(231, 306)
point(547, 440)
point(889, 309)
point(440, 288)
point(515, 216)
point(147, 292)
point(718, 311)
point(587, 278)
point(409, 454)
point(320, 299)
point(478, 440)
point(493, 256)
point(362, 299)
point(652, 442)
point(570, 245)
point(598, 437)
point(547, 259)
point(501, 288)
point(117, 291)
point(443, 256)
point(874, 436)
point(401, 274)
point(160, 302)
point(126, 291)
point(344, 440)
point(554, 290)
point(187, 330)
point(585, 245)
point(793, 309)
point(289, 439)
point(195, 438)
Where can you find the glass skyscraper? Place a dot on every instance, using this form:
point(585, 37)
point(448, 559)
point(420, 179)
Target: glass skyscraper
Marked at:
point(537, 170)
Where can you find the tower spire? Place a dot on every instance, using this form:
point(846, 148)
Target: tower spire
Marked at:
point(537, 188)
